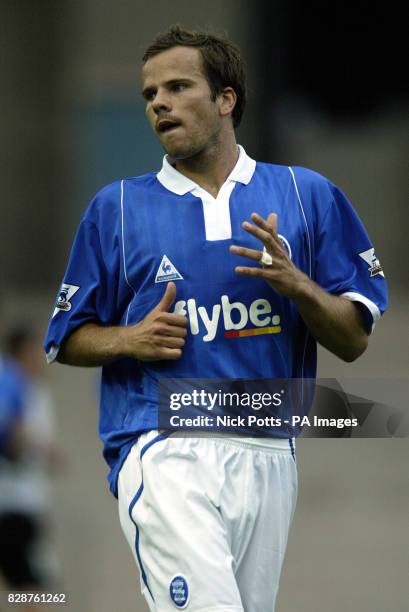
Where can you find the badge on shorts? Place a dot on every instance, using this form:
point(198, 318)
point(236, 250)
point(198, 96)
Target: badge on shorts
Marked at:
point(179, 591)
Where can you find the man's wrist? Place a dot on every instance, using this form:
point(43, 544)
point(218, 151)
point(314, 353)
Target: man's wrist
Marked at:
point(122, 347)
point(303, 290)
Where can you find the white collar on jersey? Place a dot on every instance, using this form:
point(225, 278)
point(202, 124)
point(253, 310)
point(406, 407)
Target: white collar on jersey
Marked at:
point(180, 184)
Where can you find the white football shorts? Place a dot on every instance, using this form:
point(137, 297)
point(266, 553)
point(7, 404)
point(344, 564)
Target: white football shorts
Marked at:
point(207, 519)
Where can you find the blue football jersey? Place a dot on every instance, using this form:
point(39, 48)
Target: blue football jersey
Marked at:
point(139, 233)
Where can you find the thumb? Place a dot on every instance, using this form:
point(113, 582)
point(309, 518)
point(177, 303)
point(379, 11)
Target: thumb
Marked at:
point(168, 298)
point(272, 221)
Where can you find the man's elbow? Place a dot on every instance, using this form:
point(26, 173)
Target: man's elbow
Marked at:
point(355, 349)
point(61, 356)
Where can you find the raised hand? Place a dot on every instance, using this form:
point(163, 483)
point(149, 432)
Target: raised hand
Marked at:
point(276, 266)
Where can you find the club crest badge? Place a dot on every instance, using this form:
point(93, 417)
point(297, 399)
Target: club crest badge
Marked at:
point(286, 245)
point(179, 591)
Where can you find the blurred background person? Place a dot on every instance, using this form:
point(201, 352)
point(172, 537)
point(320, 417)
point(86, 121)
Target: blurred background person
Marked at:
point(28, 456)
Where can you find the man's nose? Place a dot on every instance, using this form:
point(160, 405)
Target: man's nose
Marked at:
point(161, 102)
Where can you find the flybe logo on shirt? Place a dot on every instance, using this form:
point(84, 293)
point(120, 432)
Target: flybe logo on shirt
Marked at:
point(238, 320)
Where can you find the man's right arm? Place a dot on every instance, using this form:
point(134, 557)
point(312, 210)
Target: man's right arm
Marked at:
point(160, 335)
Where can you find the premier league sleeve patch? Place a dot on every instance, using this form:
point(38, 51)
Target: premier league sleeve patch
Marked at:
point(63, 301)
point(179, 591)
point(373, 262)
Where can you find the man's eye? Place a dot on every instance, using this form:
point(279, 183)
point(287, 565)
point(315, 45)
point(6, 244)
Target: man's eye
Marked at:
point(149, 96)
point(179, 86)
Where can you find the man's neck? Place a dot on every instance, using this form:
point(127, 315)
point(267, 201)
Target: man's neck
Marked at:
point(211, 167)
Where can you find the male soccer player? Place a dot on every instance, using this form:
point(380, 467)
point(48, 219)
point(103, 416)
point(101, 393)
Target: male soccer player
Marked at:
point(169, 278)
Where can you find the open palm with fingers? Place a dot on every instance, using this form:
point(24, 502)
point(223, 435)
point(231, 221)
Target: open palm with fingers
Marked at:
point(276, 266)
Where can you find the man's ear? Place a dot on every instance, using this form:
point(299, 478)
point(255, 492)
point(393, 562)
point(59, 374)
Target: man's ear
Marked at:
point(227, 101)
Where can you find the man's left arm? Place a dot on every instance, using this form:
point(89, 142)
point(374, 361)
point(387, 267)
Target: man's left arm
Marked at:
point(334, 321)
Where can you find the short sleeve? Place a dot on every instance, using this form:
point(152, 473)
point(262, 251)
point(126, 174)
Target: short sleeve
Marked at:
point(90, 290)
point(345, 259)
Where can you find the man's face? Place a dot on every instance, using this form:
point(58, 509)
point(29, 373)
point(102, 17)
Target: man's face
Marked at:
point(178, 102)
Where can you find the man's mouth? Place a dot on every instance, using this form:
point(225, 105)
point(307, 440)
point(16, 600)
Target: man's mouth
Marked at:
point(166, 125)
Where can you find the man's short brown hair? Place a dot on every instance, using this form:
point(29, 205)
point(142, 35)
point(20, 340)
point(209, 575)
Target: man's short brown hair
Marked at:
point(222, 62)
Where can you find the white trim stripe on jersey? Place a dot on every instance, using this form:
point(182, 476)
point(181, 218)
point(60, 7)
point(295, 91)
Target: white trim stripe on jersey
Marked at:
point(310, 272)
point(357, 297)
point(305, 221)
point(123, 249)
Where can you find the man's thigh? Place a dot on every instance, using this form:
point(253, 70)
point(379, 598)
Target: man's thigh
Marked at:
point(169, 506)
point(261, 531)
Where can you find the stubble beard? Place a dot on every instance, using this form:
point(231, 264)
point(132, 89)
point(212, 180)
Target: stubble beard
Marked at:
point(183, 150)
point(191, 148)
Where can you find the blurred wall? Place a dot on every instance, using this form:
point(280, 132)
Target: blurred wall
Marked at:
point(32, 164)
point(72, 121)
